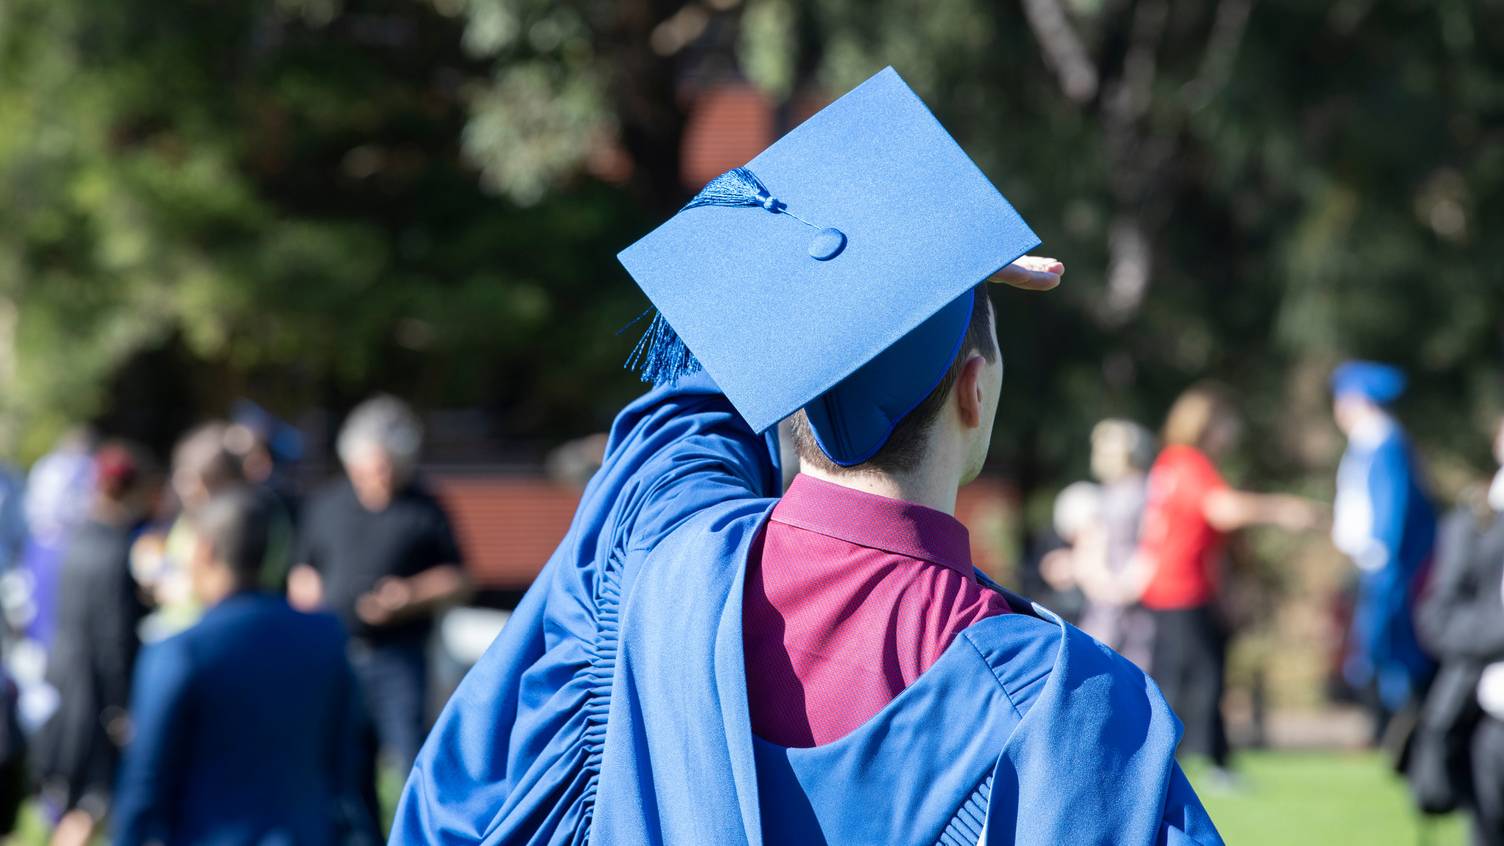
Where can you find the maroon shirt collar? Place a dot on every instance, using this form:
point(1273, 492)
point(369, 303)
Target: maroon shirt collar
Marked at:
point(876, 522)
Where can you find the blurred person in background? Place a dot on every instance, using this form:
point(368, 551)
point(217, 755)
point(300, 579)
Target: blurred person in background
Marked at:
point(94, 651)
point(13, 745)
point(13, 749)
point(377, 549)
point(1384, 521)
point(1176, 571)
point(1121, 452)
point(59, 491)
point(246, 724)
point(1457, 755)
point(267, 448)
point(1076, 518)
point(202, 465)
point(263, 446)
point(12, 518)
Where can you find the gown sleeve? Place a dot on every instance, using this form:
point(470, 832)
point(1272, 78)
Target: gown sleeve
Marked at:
point(1387, 650)
point(1388, 496)
point(515, 755)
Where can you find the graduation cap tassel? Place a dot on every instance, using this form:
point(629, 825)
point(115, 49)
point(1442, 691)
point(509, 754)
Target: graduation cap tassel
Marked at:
point(661, 357)
point(735, 187)
point(740, 187)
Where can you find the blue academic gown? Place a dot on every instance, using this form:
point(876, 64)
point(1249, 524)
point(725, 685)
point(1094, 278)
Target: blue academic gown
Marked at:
point(613, 706)
point(246, 732)
point(1386, 522)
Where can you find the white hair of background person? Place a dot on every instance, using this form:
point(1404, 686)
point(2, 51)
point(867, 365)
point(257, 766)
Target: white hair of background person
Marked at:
point(387, 423)
point(1078, 507)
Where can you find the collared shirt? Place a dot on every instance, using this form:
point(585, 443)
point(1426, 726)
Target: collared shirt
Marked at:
point(849, 597)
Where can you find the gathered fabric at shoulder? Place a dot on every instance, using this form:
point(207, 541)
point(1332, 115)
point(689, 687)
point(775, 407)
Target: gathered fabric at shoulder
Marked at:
point(515, 756)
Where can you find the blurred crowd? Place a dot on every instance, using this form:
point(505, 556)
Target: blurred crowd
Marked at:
point(207, 652)
point(202, 654)
point(1139, 563)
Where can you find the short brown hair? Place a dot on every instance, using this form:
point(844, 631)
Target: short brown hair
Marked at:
point(905, 447)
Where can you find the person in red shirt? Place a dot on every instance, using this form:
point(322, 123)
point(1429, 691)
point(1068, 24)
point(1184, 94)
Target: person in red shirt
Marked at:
point(1176, 571)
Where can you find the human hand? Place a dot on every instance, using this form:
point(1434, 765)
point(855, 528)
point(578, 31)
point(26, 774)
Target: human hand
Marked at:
point(305, 588)
point(386, 602)
point(1058, 569)
point(1031, 273)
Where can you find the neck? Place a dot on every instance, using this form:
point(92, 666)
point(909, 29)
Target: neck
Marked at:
point(931, 490)
point(373, 501)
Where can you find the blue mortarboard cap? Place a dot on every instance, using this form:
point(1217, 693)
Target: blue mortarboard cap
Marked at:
point(833, 272)
point(1380, 383)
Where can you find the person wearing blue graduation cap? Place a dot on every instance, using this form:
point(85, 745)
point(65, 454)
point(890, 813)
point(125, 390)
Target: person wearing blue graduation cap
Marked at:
point(1383, 519)
point(702, 661)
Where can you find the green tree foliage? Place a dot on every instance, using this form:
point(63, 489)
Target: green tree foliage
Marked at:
point(322, 197)
point(279, 189)
point(1247, 190)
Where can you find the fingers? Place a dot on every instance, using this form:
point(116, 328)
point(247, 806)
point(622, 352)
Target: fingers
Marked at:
point(1031, 273)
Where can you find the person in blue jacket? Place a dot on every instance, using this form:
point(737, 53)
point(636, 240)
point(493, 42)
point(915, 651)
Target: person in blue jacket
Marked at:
point(836, 279)
point(1384, 521)
point(245, 725)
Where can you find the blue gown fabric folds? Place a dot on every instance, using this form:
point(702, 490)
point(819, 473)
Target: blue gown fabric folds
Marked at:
point(613, 707)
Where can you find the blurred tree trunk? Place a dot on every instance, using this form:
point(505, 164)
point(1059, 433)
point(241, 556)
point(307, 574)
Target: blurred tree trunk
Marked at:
point(1122, 86)
point(645, 94)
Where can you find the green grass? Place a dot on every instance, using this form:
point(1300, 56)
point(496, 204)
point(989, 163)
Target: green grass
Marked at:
point(1286, 798)
point(32, 831)
point(1294, 798)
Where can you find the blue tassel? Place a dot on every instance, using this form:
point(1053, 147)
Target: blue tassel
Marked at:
point(735, 187)
point(661, 357)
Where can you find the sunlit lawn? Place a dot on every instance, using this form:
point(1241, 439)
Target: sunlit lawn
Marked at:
point(33, 832)
point(1287, 798)
point(1328, 798)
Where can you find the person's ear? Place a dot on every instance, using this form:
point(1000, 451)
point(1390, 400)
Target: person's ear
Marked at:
point(969, 400)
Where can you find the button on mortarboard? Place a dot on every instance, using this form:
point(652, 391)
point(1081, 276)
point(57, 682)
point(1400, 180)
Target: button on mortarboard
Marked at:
point(827, 244)
point(875, 183)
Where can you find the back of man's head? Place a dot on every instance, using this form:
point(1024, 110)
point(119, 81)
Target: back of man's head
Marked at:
point(236, 524)
point(201, 458)
point(905, 449)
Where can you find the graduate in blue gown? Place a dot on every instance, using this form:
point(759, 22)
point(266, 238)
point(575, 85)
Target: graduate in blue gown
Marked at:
point(832, 274)
point(1385, 522)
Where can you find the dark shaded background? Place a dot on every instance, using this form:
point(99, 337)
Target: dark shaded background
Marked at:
point(306, 200)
